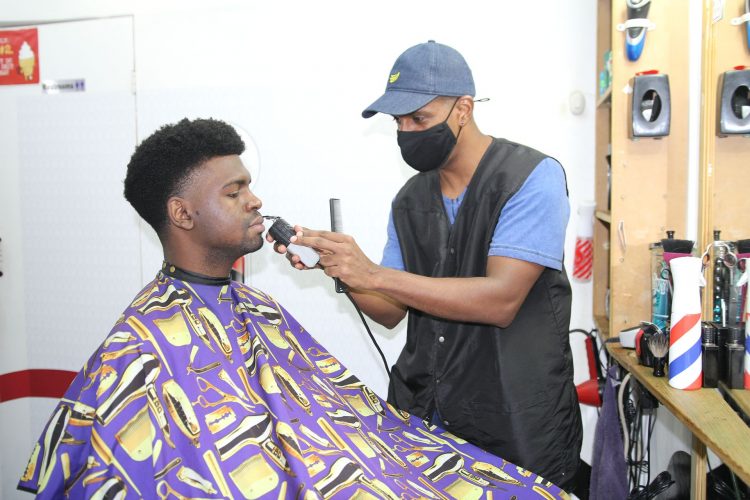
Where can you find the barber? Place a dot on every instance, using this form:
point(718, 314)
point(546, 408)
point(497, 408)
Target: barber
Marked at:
point(475, 257)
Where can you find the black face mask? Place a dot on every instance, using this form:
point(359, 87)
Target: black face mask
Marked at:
point(426, 150)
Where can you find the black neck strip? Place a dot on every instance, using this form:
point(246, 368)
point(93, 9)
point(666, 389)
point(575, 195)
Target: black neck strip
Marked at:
point(181, 274)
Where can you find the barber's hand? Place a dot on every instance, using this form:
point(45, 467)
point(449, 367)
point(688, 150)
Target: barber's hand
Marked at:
point(340, 257)
point(282, 249)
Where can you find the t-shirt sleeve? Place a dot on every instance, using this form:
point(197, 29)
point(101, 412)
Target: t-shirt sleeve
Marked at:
point(532, 223)
point(392, 256)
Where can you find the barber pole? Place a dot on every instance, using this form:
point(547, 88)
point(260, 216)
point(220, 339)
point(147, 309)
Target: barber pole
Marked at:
point(685, 357)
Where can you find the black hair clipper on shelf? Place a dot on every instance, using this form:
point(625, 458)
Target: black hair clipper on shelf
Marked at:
point(282, 232)
point(337, 226)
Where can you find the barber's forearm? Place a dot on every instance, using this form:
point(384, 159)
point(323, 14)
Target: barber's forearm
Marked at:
point(478, 300)
point(493, 300)
point(379, 307)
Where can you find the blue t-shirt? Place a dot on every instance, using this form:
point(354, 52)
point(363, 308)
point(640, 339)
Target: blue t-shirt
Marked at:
point(531, 226)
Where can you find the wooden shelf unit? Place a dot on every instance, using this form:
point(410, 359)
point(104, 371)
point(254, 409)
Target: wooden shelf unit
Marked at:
point(604, 99)
point(603, 216)
point(740, 397)
point(724, 160)
point(601, 178)
point(704, 412)
point(644, 193)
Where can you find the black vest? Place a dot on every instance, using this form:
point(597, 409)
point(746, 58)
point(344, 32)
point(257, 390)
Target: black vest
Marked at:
point(508, 390)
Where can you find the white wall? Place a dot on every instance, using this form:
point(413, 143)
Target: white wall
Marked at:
point(296, 78)
point(296, 75)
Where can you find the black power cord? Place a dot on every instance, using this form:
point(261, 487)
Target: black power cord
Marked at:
point(282, 232)
point(372, 337)
point(636, 406)
point(598, 346)
point(634, 409)
point(720, 488)
point(661, 483)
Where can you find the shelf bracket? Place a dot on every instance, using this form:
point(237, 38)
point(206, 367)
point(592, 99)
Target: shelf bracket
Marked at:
point(745, 18)
point(637, 23)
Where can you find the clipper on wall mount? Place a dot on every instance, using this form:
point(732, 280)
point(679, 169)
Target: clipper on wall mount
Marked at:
point(635, 27)
point(744, 19)
point(651, 105)
point(734, 102)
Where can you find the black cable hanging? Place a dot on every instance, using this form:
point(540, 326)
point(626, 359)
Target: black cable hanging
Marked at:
point(372, 337)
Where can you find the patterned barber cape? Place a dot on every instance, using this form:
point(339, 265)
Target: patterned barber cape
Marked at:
point(204, 391)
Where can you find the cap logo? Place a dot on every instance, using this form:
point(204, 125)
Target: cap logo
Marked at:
point(394, 77)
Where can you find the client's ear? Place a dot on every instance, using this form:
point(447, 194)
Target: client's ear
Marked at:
point(178, 212)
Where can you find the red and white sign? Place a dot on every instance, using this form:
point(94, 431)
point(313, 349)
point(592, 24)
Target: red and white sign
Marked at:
point(19, 56)
point(583, 264)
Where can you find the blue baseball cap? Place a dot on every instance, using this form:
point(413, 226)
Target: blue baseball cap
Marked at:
point(421, 74)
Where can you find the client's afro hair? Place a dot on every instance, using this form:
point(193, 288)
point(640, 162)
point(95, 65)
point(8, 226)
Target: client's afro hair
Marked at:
point(162, 164)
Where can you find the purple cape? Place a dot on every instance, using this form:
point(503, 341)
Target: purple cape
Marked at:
point(203, 391)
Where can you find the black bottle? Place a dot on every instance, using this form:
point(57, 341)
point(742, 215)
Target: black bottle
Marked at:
point(722, 334)
point(735, 348)
point(720, 281)
point(710, 356)
point(644, 353)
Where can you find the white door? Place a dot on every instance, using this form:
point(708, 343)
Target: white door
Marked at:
point(69, 242)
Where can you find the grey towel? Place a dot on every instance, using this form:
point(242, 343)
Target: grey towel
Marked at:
point(609, 474)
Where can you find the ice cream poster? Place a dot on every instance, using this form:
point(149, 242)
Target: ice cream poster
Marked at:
point(19, 56)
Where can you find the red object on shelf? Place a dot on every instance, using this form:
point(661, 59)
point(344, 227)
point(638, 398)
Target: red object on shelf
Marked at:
point(590, 391)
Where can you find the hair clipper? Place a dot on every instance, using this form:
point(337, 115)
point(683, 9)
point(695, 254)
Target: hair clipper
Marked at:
point(282, 232)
